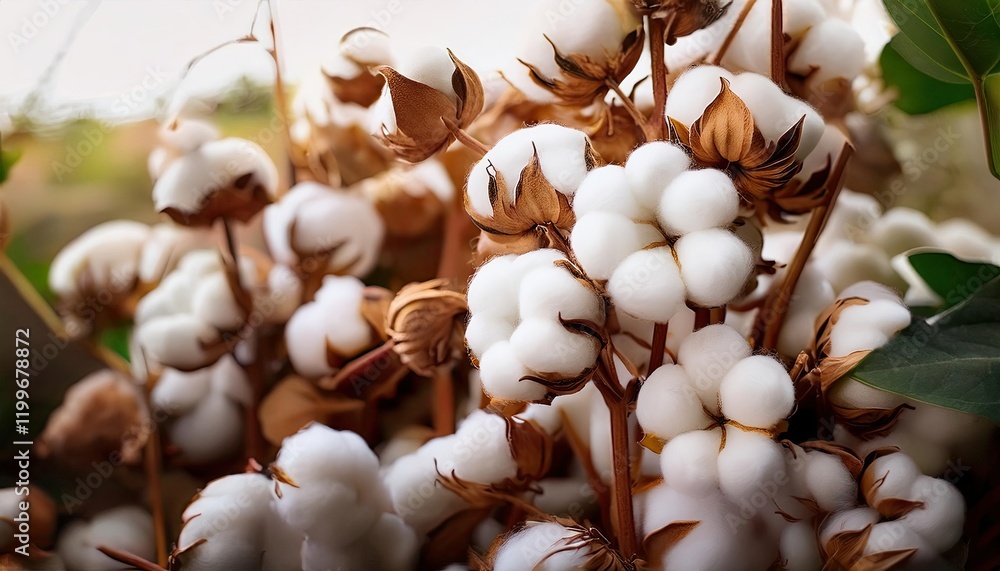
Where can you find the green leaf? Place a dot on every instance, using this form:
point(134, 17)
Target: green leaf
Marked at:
point(918, 92)
point(922, 41)
point(7, 160)
point(951, 361)
point(953, 280)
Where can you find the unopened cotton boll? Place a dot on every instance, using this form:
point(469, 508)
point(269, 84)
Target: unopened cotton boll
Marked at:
point(651, 167)
point(501, 372)
point(707, 355)
point(647, 285)
point(606, 189)
point(666, 406)
point(830, 50)
point(126, 528)
point(698, 200)
point(757, 392)
point(552, 292)
point(690, 462)
point(829, 482)
point(601, 240)
point(547, 346)
point(715, 265)
point(694, 90)
point(751, 463)
point(775, 112)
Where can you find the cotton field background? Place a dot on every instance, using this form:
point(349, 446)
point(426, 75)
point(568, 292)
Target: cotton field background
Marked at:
point(568, 284)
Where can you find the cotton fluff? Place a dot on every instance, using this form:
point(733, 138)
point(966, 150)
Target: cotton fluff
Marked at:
point(714, 264)
point(103, 259)
point(314, 223)
point(126, 528)
point(832, 49)
point(332, 322)
point(545, 546)
point(608, 189)
point(901, 229)
point(757, 391)
point(707, 355)
point(775, 112)
point(648, 285)
point(690, 462)
point(698, 200)
point(176, 140)
point(651, 167)
point(667, 406)
point(516, 303)
point(563, 154)
point(602, 240)
point(748, 462)
point(867, 326)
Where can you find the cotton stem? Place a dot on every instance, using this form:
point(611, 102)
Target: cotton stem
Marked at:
point(658, 70)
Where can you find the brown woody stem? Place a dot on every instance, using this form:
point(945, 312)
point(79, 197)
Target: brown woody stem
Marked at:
point(659, 346)
point(772, 315)
point(777, 44)
point(444, 401)
point(658, 70)
point(702, 317)
point(462, 136)
point(152, 457)
point(715, 58)
point(717, 315)
point(618, 403)
point(129, 559)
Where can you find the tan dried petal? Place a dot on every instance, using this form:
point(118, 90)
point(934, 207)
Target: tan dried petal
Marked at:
point(657, 543)
point(683, 17)
point(424, 321)
point(101, 416)
point(531, 448)
point(375, 303)
point(295, 402)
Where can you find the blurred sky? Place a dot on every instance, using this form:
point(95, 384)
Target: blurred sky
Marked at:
point(127, 53)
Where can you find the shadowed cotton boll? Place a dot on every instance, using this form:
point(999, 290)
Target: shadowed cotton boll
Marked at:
point(690, 462)
point(126, 528)
point(332, 322)
point(747, 463)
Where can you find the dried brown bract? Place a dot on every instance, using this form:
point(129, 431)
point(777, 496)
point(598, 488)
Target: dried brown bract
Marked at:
point(294, 403)
point(682, 17)
point(424, 321)
point(361, 87)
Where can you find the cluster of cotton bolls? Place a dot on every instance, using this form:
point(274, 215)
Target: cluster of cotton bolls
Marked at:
point(181, 324)
point(518, 306)
point(327, 509)
point(716, 410)
point(125, 528)
point(204, 408)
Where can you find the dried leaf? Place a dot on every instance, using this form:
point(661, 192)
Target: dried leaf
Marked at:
point(531, 448)
point(657, 543)
point(295, 402)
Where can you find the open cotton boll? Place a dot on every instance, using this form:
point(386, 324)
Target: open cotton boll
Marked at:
point(501, 371)
point(897, 536)
point(757, 392)
point(333, 321)
point(651, 167)
point(889, 476)
point(813, 294)
point(844, 263)
point(180, 341)
point(563, 155)
point(901, 229)
point(868, 326)
point(940, 520)
point(666, 406)
point(829, 482)
point(746, 50)
point(214, 303)
point(748, 463)
point(647, 285)
point(697, 200)
point(707, 355)
point(178, 393)
point(832, 49)
point(854, 519)
point(104, 257)
point(852, 393)
point(601, 240)
point(479, 437)
point(543, 546)
point(774, 112)
point(552, 292)
point(714, 264)
point(533, 260)
point(547, 346)
point(967, 240)
point(212, 431)
point(690, 462)
point(693, 91)
point(493, 289)
point(126, 528)
point(412, 482)
point(798, 547)
point(606, 189)
point(483, 330)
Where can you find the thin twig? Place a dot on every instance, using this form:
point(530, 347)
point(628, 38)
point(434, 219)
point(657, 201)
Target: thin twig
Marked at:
point(129, 559)
point(778, 44)
point(715, 58)
point(444, 401)
point(465, 138)
point(658, 348)
point(658, 69)
point(633, 111)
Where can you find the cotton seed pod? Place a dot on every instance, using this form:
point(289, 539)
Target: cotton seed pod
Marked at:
point(321, 230)
point(698, 200)
point(653, 166)
point(647, 285)
point(324, 333)
point(230, 178)
point(887, 480)
point(690, 462)
point(757, 392)
point(714, 265)
point(707, 355)
point(126, 528)
point(667, 407)
point(606, 189)
point(749, 464)
point(41, 514)
point(599, 256)
point(424, 323)
point(551, 545)
point(101, 416)
point(431, 89)
point(412, 200)
point(501, 371)
point(550, 348)
point(553, 293)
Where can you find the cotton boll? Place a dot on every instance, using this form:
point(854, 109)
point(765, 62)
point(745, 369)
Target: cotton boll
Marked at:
point(667, 406)
point(690, 462)
point(106, 254)
point(868, 326)
point(750, 464)
point(715, 265)
point(167, 244)
point(798, 548)
point(829, 482)
point(493, 288)
point(332, 322)
point(890, 476)
point(178, 341)
point(533, 260)
point(539, 546)
point(647, 285)
point(967, 240)
point(813, 294)
point(546, 346)
point(483, 330)
point(901, 229)
point(939, 521)
point(606, 189)
point(698, 200)
point(552, 292)
point(651, 167)
point(707, 355)
point(431, 66)
point(601, 240)
point(845, 263)
point(854, 519)
point(775, 112)
point(896, 536)
point(212, 431)
point(178, 393)
point(501, 372)
point(757, 392)
point(214, 303)
point(126, 528)
point(479, 437)
point(412, 482)
point(830, 50)
point(694, 90)
point(745, 51)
